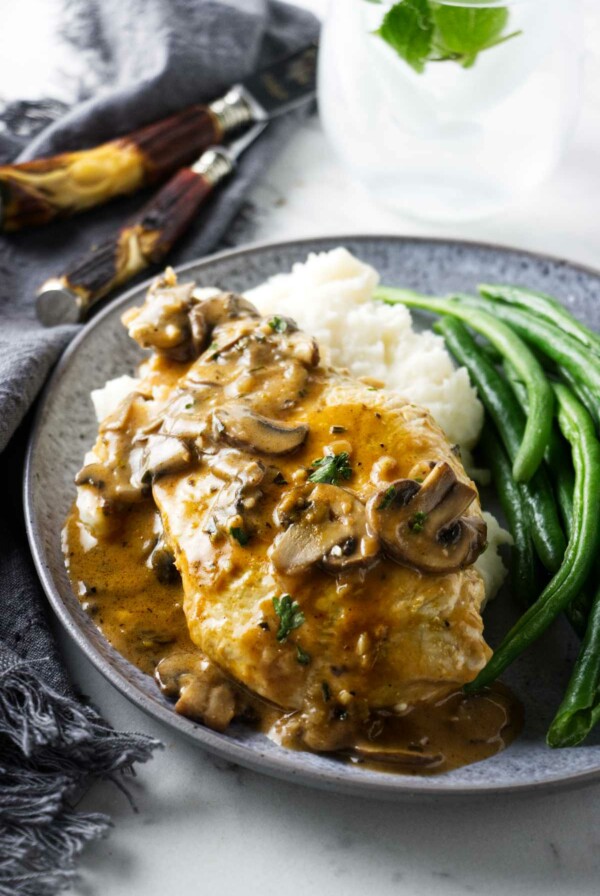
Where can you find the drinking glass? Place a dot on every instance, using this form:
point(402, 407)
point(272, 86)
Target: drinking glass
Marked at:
point(451, 143)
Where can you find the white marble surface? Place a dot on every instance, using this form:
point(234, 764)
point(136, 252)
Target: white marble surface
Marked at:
point(205, 828)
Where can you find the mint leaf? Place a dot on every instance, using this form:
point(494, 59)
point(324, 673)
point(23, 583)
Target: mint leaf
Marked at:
point(425, 30)
point(408, 28)
point(463, 32)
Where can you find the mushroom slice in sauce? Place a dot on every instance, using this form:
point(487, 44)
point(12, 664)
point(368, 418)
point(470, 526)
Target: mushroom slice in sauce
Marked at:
point(119, 420)
point(223, 307)
point(331, 532)
point(303, 348)
point(237, 504)
point(396, 755)
point(240, 425)
point(163, 455)
point(114, 484)
point(202, 691)
point(116, 476)
point(421, 524)
point(162, 561)
point(162, 322)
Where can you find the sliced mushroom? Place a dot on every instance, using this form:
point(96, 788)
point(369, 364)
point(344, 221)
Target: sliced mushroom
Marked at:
point(184, 415)
point(114, 484)
point(229, 463)
point(421, 524)
point(201, 690)
point(162, 561)
point(235, 507)
point(332, 532)
point(303, 348)
point(162, 455)
point(121, 416)
point(240, 425)
point(225, 306)
point(229, 335)
point(162, 322)
point(409, 758)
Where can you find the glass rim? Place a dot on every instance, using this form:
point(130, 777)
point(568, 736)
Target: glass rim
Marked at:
point(477, 4)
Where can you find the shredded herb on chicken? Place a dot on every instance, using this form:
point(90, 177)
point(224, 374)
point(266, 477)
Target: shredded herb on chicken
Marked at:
point(290, 615)
point(331, 468)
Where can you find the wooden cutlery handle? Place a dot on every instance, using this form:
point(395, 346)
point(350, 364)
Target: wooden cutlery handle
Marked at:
point(143, 241)
point(33, 193)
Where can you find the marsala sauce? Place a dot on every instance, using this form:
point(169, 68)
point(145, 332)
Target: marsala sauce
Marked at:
point(144, 620)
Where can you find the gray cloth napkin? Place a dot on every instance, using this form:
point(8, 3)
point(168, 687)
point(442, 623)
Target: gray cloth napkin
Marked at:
point(156, 56)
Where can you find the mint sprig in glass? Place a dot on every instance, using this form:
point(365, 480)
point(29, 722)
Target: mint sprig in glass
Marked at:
point(423, 31)
point(450, 110)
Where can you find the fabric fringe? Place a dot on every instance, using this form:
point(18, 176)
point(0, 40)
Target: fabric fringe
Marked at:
point(52, 748)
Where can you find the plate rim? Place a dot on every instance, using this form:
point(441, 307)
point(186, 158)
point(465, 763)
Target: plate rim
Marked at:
point(283, 767)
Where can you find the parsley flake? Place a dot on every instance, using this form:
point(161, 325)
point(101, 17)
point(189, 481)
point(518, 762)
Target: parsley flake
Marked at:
point(388, 498)
point(417, 522)
point(290, 615)
point(278, 324)
point(302, 656)
point(331, 468)
point(240, 535)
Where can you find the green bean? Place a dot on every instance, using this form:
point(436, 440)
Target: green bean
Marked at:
point(567, 352)
point(579, 710)
point(537, 430)
point(557, 457)
point(563, 477)
point(543, 306)
point(583, 393)
point(504, 409)
point(523, 573)
point(578, 428)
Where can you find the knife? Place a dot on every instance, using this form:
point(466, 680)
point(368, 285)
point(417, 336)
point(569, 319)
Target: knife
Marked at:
point(144, 240)
point(33, 193)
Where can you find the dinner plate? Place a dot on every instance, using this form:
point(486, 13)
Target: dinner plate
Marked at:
point(65, 427)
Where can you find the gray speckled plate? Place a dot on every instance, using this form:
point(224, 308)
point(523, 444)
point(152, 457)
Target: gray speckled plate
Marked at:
point(65, 426)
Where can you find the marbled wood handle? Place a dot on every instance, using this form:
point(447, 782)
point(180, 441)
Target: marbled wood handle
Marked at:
point(33, 193)
point(145, 240)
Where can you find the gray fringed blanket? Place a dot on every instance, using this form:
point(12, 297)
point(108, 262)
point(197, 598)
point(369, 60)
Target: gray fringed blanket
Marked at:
point(152, 57)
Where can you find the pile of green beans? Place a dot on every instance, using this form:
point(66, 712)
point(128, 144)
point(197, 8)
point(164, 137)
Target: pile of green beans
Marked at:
point(537, 373)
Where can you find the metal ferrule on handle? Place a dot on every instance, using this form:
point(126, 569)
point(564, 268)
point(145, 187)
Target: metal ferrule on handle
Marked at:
point(233, 111)
point(214, 165)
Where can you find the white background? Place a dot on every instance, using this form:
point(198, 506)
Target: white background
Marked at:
point(205, 828)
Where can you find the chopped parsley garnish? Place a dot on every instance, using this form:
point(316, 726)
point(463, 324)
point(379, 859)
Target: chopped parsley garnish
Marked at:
point(278, 324)
point(388, 498)
point(418, 521)
point(290, 615)
point(302, 656)
point(240, 535)
point(331, 468)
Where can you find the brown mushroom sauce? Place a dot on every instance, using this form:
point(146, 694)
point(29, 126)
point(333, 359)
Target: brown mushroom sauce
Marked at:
point(126, 576)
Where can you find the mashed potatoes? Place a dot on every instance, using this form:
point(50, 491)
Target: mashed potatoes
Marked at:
point(329, 295)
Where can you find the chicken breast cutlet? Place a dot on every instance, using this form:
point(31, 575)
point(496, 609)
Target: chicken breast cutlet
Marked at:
point(324, 529)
